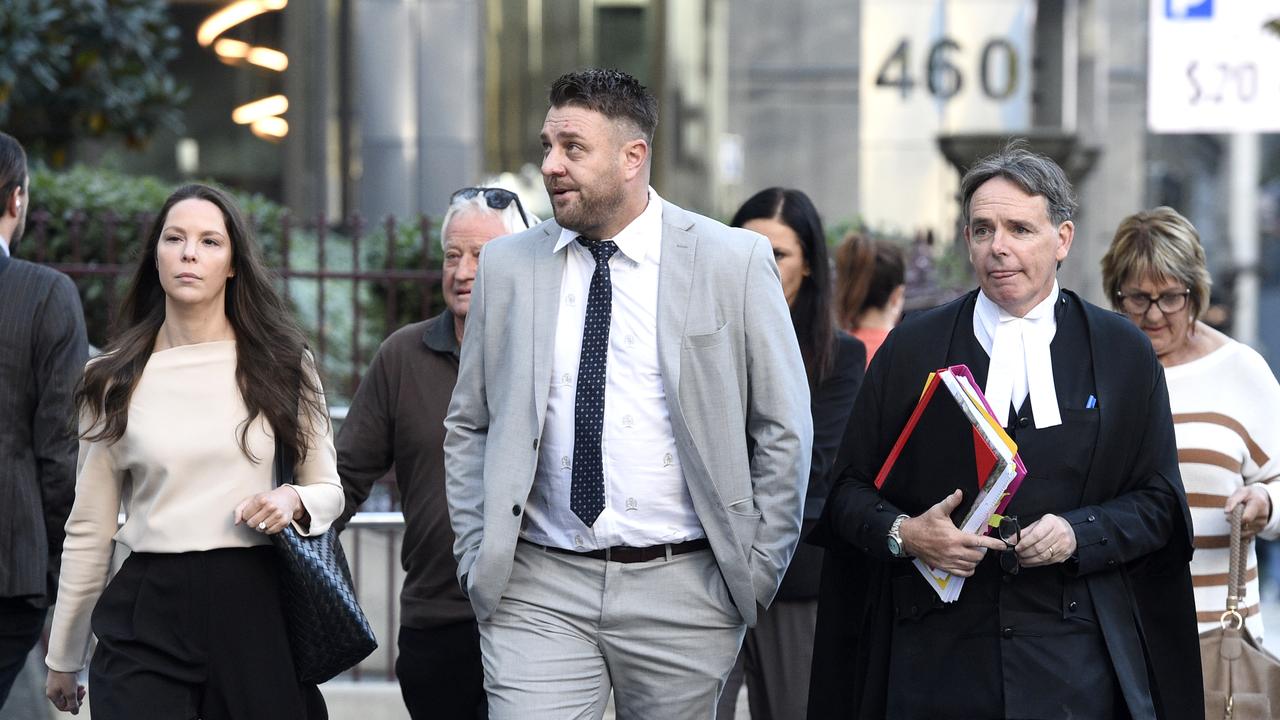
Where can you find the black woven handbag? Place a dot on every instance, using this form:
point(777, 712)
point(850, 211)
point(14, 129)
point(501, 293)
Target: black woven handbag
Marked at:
point(328, 631)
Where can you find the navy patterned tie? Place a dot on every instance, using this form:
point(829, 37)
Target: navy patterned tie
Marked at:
point(586, 494)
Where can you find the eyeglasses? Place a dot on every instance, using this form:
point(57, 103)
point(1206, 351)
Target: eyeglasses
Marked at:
point(496, 198)
point(1010, 534)
point(1140, 303)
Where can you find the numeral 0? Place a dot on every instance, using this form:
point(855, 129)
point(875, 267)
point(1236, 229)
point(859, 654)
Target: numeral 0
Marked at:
point(992, 53)
point(997, 74)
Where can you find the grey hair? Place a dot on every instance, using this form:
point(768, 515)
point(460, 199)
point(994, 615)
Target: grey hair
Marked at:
point(1033, 173)
point(510, 215)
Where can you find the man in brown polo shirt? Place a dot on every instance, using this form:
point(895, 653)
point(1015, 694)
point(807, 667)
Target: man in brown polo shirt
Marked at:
point(397, 418)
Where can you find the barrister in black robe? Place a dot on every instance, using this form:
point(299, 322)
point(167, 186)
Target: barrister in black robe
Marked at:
point(1107, 631)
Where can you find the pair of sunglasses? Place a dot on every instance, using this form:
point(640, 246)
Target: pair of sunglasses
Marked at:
point(1010, 534)
point(496, 198)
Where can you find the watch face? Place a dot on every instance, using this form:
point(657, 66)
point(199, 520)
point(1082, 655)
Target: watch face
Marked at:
point(895, 548)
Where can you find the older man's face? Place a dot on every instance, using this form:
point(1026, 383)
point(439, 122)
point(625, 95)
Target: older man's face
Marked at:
point(467, 233)
point(1013, 245)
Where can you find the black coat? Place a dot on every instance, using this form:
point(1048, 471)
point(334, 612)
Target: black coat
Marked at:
point(830, 404)
point(1140, 584)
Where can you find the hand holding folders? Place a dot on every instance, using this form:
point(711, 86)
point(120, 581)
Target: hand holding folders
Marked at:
point(933, 539)
point(947, 430)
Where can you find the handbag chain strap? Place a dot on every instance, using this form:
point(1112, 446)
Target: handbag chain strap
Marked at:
point(1235, 576)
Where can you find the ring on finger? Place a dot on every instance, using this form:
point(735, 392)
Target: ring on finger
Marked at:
point(262, 525)
point(1052, 551)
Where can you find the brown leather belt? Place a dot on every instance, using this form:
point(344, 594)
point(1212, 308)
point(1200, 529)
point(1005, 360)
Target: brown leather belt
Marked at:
point(624, 554)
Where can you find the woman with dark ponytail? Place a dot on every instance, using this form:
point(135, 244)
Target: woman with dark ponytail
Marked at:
point(775, 656)
point(179, 423)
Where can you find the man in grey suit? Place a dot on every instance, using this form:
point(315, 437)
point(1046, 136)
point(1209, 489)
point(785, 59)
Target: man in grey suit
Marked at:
point(628, 442)
point(42, 352)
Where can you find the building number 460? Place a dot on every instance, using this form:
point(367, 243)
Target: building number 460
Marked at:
point(997, 69)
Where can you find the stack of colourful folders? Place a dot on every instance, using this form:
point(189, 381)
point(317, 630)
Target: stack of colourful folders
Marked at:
point(999, 470)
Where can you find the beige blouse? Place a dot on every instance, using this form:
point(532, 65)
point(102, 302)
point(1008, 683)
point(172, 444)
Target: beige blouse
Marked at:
point(179, 473)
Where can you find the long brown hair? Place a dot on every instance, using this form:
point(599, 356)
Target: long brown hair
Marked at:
point(274, 372)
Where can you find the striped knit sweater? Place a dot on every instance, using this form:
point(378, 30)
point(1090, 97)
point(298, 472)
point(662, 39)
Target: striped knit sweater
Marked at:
point(1225, 406)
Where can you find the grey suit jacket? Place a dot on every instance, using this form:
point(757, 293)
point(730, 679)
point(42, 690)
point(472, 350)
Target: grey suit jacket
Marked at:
point(42, 353)
point(735, 388)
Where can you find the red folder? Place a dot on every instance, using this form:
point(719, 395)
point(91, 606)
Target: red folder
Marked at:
point(937, 461)
point(926, 397)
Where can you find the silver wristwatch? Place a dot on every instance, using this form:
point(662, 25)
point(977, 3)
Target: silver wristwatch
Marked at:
point(895, 537)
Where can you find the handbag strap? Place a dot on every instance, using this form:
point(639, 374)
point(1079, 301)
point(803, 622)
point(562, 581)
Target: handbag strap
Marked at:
point(1235, 574)
point(283, 464)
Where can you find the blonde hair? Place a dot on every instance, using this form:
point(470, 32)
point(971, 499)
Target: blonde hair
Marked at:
point(1159, 244)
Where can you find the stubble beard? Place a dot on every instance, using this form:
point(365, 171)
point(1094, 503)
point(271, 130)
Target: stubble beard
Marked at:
point(592, 210)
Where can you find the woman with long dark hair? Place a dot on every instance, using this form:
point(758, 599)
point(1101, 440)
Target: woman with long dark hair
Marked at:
point(776, 653)
point(179, 420)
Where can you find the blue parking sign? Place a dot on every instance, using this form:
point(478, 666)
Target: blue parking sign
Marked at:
point(1188, 9)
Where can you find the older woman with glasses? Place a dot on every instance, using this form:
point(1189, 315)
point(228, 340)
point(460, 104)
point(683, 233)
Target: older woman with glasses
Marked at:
point(1223, 397)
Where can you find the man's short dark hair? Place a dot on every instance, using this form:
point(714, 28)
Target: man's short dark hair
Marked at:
point(13, 165)
point(1033, 173)
point(612, 93)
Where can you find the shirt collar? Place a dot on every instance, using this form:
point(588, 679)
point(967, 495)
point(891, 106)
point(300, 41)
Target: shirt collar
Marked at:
point(439, 335)
point(639, 239)
point(1021, 362)
point(4, 246)
point(987, 315)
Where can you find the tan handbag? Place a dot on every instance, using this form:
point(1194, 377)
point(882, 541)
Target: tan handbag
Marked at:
point(1241, 680)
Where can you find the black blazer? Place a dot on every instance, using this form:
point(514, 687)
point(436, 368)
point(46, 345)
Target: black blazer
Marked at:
point(42, 354)
point(1140, 585)
point(830, 404)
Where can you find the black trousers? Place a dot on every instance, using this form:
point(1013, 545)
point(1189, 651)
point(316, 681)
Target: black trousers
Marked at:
point(441, 674)
point(196, 635)
point(20, 626)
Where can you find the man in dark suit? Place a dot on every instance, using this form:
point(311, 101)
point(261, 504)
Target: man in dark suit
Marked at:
point(1091, 613)
point(42, 353)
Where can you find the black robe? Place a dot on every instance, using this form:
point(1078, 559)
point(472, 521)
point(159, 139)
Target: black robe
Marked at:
point(1139, 585)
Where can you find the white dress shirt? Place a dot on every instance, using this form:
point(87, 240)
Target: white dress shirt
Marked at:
point(1020, 359)
point(646, 500)
point(4, 245)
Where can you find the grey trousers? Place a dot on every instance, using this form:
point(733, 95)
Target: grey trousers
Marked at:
point(775, 661)
point(662, 635)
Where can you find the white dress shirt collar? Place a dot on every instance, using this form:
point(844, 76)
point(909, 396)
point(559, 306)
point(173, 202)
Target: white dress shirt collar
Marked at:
point(1020, 360)
point(638, 239)
point(4, 245)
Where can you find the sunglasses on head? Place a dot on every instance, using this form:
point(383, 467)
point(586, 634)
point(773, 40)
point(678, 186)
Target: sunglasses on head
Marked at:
point(496, 198)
